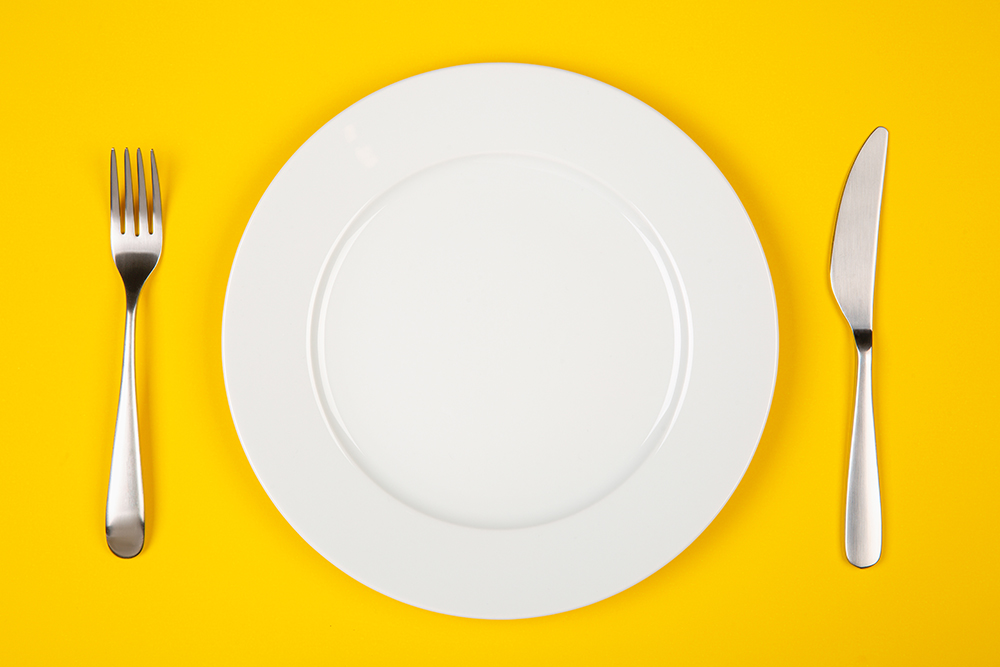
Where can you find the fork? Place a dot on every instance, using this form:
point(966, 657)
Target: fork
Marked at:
point(136, 251)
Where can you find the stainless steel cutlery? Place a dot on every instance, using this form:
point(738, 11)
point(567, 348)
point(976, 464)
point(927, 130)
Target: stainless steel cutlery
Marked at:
point(852, 274)
point(135, 247)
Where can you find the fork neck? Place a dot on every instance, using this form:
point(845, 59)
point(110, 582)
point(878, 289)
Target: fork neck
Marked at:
point(132, 299)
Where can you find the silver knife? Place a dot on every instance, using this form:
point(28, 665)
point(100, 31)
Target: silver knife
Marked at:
point(852, 274)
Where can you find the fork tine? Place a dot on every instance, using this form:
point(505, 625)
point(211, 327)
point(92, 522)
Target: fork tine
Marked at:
point(116, 201)
point(141, 175)
point(157, 213)
point(129, 204)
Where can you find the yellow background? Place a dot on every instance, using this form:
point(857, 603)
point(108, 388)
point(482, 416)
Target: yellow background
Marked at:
point(781, 95)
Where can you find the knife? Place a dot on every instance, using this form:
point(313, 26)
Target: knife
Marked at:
point(852, 275)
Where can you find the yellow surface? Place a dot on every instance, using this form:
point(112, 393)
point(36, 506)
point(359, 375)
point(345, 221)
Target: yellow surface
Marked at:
point(781, 96)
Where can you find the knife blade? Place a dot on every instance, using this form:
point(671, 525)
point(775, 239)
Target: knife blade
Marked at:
point(852, 276)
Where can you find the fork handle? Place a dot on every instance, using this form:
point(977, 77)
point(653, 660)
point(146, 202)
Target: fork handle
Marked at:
point(863, 525)
point(124, 521)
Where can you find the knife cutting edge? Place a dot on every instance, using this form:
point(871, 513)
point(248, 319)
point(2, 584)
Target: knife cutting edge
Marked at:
point(852, 275)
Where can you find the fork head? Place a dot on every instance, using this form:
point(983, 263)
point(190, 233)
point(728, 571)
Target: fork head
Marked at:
point(135, 245)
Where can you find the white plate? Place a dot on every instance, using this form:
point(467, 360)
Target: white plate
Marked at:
point(499, 341)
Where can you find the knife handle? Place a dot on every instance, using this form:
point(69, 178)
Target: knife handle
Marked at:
point(863, 529)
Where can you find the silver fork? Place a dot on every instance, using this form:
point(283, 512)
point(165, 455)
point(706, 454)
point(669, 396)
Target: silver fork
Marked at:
point(136, 251)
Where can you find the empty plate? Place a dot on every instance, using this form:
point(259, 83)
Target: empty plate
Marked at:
point(499, 341)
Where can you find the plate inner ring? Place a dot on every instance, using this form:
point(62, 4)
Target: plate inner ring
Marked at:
point(499, 340)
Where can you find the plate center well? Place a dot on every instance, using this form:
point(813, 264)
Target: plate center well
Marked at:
point(499, 340)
